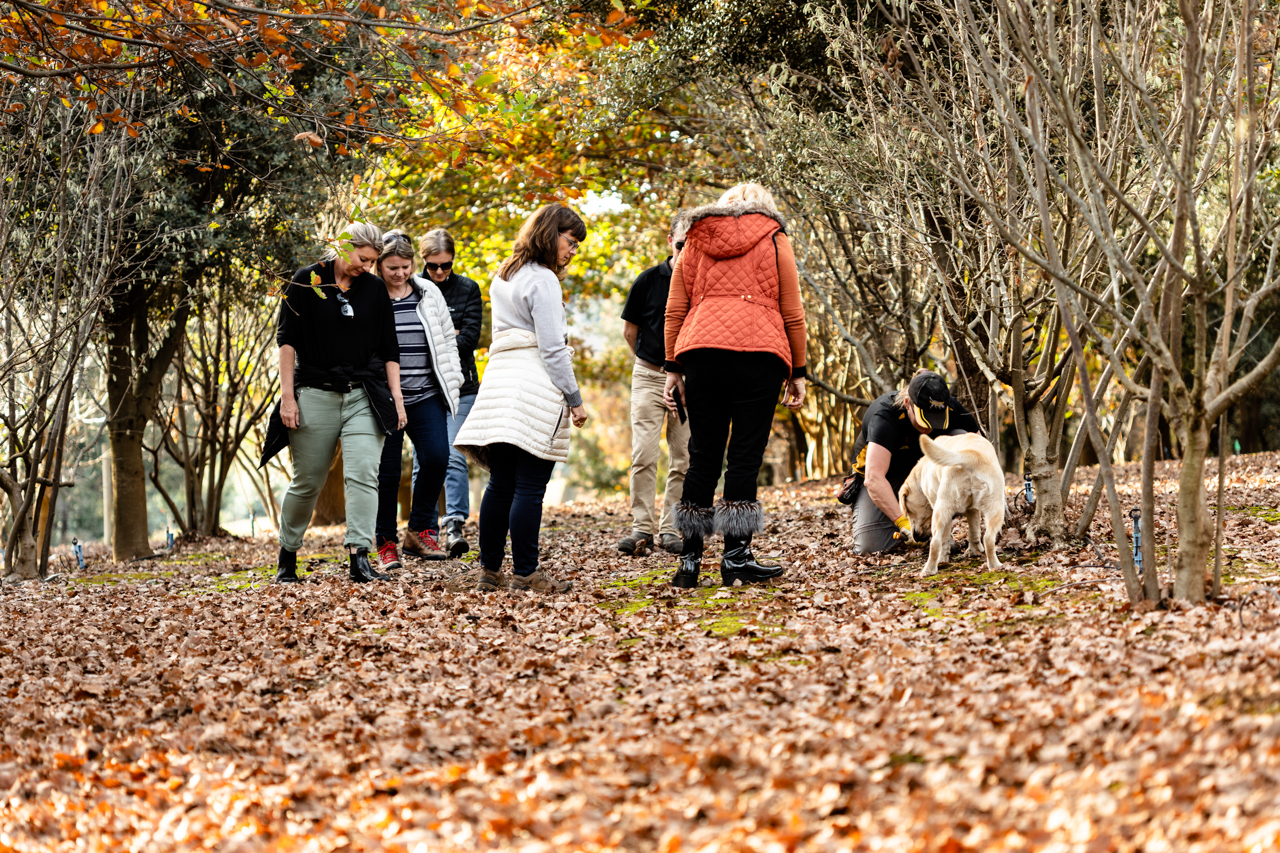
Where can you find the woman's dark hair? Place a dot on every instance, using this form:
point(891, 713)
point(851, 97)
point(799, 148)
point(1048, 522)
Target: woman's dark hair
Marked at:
point(539, 239)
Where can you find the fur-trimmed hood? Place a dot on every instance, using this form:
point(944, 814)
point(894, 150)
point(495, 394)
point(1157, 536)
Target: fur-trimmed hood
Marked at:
point(731, 230)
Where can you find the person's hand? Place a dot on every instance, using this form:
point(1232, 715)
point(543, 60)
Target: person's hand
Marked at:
point(794, 398)
point(904, 527)
point(289, 412)
point(579, 415)
point(402, 417)
point(674, 388)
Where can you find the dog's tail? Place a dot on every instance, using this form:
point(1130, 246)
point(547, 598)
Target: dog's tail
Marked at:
point(939, 455)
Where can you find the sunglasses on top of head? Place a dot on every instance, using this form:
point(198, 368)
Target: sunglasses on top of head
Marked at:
point(445, 267)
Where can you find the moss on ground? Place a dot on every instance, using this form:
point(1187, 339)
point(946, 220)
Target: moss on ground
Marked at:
point(718, 611)
point(1266, 513)
point(122, 577)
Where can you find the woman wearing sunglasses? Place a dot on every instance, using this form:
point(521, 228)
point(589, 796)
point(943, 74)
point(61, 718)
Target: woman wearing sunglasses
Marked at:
point(519, 427)
point(429, 382)
point(466, 310)
point(339, 381)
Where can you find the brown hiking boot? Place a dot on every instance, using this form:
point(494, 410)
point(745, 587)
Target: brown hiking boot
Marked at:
point(423, 545)
point(490, 581)
point(388, 557)
point(636, 544)
point(539, 582)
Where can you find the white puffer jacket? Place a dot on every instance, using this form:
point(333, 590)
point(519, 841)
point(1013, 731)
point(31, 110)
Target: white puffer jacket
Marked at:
point(517, 404)
point(442, 340)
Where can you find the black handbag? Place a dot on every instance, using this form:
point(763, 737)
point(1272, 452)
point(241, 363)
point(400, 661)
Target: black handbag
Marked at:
point(850, 489)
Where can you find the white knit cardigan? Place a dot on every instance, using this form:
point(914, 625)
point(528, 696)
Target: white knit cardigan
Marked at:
point(517, 404)
point(442, 340)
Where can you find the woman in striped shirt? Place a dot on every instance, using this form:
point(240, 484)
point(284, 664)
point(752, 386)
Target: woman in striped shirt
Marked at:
point(430, 376)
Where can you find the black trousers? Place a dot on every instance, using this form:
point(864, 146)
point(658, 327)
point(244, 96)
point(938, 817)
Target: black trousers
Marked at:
point(513, 503)
point(731, 397)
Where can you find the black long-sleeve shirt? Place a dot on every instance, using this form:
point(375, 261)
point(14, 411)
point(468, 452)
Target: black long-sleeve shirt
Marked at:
point(323, 337)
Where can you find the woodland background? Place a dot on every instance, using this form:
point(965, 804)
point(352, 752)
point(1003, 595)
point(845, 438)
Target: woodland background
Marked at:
point(1068, 209)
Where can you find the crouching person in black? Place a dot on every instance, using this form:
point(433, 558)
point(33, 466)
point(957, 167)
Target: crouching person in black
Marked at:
point(888, 447)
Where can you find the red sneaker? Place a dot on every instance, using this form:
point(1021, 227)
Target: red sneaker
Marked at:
point(388, 557)
point(423, 545)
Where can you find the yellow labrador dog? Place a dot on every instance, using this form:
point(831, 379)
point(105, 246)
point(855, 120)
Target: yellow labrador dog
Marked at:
point(959, 475)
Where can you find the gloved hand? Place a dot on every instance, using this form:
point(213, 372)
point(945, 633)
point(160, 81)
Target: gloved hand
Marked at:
point(904, 527)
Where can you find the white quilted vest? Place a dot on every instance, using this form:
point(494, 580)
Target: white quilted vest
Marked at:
point(517, 404)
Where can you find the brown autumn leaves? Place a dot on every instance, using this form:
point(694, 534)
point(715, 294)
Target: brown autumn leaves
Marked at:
point(190, 706)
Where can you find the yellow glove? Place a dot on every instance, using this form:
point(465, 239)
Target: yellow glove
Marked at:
point(904, 526)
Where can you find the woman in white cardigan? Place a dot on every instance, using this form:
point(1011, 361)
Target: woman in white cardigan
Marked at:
point(431, 375)
point(519, 425)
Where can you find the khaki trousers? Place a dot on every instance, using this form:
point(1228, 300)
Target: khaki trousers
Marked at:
point(647, 415)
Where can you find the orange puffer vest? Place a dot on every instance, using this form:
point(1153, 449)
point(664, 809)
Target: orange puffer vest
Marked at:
point(730, 266)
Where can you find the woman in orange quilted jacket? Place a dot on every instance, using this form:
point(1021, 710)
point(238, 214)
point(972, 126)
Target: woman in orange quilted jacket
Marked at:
point(735, 335)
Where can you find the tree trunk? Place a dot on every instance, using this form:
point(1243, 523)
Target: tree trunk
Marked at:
point(129, 529)
point(1151, 453)
point(23, 558)
point(1040, 464)
point(1195, 532)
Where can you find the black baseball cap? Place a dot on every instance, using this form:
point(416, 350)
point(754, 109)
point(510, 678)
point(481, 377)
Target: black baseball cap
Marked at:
point(930, 397)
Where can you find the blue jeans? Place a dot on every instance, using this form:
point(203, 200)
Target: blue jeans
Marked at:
point(513, 502)
point(457, 485)
point(430, 437)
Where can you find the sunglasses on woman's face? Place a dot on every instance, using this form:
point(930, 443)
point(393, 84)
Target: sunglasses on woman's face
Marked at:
point(347, 310)
point(446, 266)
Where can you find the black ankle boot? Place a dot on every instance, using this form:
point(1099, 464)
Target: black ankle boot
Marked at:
point(454, 542)
point(361, 569)
point(287, 567)
point(738, 564)
point(686, 576)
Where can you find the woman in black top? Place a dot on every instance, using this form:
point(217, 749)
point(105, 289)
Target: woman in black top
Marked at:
point(339, 381)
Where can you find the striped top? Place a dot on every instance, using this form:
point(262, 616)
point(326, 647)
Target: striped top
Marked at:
point(417, 376)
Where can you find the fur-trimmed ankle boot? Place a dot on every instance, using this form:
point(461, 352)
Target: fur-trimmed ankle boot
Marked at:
point(738, 521)
point(695, 524)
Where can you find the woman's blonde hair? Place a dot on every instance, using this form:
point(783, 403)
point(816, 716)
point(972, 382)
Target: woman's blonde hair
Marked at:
point(539, 239)
point(435, 242)
point(359, 235)
point(750, 193)
point(397, 244)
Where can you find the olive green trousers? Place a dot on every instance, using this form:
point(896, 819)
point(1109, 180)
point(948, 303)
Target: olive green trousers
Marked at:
point(325, 418)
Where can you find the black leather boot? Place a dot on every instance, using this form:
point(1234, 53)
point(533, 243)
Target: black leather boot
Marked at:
point(686, 576)
point(738, 564)
point(454, 542)
point(362, 571)
point(695, 524)
point(287, 567)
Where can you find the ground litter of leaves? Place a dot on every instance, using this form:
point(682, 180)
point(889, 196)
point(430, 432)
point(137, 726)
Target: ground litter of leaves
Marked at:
point(184, 703)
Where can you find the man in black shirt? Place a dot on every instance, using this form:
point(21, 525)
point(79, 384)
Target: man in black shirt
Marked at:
point(645, 316)
point(888, 447)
